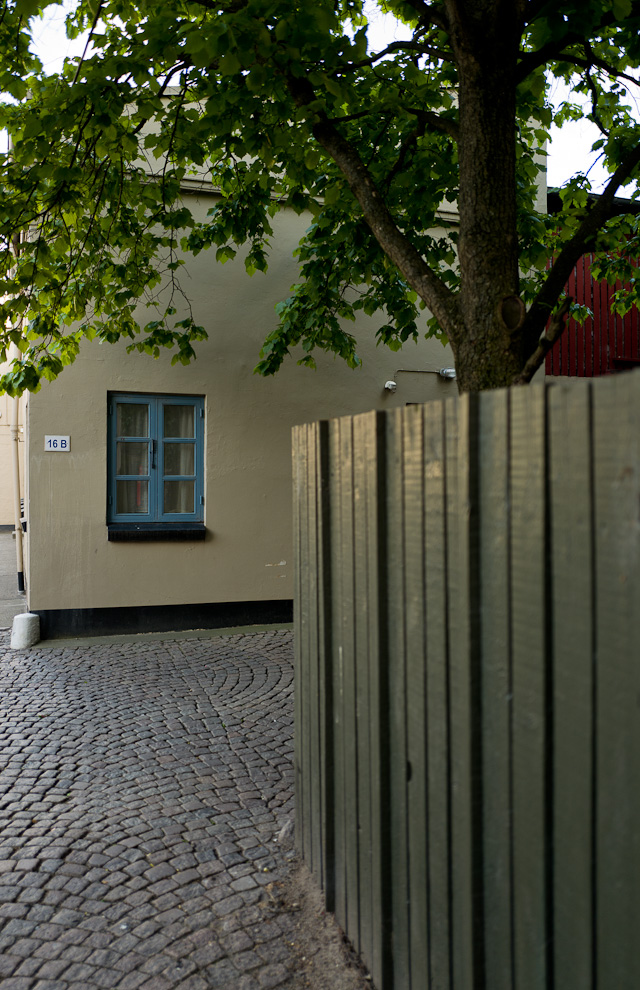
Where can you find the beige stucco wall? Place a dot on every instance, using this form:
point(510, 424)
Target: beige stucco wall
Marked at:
point(247, 555)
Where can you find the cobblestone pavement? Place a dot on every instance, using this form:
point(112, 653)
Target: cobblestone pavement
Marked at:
point(142, 790)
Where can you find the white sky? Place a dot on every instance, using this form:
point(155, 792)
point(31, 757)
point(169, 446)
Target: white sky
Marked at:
point(568, 150)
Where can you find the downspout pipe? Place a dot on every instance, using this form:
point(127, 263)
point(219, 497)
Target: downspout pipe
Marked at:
point(15, 445)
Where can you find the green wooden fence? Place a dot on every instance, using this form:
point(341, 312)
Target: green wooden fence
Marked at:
point(468, 686)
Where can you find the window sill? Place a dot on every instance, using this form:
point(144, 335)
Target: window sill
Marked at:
point(147, 532)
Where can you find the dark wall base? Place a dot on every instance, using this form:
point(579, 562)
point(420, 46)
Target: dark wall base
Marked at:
point(74, 622)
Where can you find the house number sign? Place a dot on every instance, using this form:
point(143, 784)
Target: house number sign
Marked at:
point(59, 444)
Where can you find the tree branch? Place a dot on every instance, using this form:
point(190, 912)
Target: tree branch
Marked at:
point(604, 208)
point(598, 63)
point(552, 51)
point(554, 332)
point(94, 24)
point(533, 8)
point(435, 120)
point(429, 14)
point(556, 50)
point(219, 7)
point(593, 89)
point(423, 279)
point(409, 142)
point(395, 46)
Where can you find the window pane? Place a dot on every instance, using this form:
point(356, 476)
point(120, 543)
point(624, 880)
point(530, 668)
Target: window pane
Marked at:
point(179, 496)
point(132, 496)
point(132, 419)
point(179, 458)
point(178, 421)
point(132, 458)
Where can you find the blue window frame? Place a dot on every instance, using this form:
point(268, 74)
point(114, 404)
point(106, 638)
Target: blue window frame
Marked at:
point(155, 460)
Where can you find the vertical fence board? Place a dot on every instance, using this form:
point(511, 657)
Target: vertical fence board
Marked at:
point(325, 661)
point(495, 562)
point(465, 918)
point(617, 502)
point(572, 573)
point(337, 605)
point(584, 280)
point(301, 562)
point(589, 332)
point(313, 725)
point(373, 440)
point(529, 687)
point(617, 335)
point(414, 621)
point(307, 617)
point(437, 783)
point(601, 339)
point(363, 684)
point(597, 339)
point(349, 681)
point(397, 701)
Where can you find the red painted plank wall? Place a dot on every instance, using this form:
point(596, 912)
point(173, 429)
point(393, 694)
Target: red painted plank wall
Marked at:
point(605, 343)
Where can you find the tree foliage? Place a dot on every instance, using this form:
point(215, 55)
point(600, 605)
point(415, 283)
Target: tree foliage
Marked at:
point(287, 105)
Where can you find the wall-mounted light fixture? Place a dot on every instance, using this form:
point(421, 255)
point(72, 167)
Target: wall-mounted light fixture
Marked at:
point(390, 386)
point(447, 372)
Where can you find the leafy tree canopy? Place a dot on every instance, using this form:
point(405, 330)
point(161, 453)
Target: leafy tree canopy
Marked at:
point(289, 105)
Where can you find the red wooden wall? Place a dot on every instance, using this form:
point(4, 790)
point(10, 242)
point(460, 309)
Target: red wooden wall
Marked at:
point(605, 343)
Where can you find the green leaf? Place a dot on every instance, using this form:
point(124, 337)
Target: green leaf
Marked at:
point(622, 8)
point(312, 158)
point(230, 64)
point(27, 8)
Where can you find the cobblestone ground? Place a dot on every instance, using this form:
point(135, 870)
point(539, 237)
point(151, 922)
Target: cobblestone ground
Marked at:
point(142, 790)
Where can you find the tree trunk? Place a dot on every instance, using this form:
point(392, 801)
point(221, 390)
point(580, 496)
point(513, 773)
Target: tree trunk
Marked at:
point(488, 349)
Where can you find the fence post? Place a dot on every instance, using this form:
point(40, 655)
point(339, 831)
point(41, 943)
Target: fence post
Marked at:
point(313, 696)
point(495, 632)
point(326, 660)
point(463, 522)
point(617, 689)
point(437, 692)
point(532, 718)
